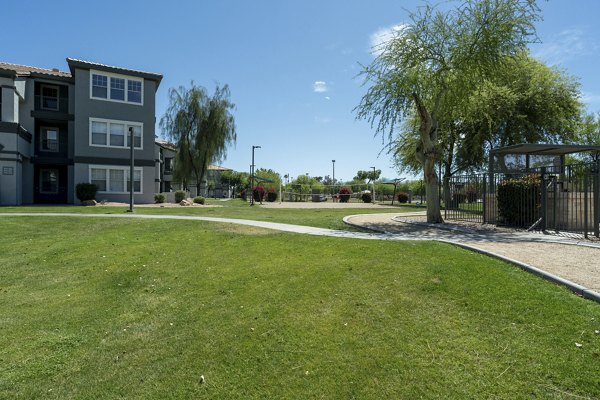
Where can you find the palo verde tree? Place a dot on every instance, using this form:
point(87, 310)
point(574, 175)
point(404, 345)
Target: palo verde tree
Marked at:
point(369, 175)
point(201, 126)
point(433, 62)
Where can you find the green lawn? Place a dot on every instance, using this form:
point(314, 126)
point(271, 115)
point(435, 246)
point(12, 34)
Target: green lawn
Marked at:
point(236, 208)
point(133, 309)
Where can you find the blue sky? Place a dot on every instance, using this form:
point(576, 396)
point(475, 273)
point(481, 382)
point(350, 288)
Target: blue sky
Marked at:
point(291, 65)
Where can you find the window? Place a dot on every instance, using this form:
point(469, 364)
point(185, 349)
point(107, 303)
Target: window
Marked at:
point(117, 89)
point(134, 91)
point(49, 97)
point(168, 165)
point(117, 135)
point(137, 137)
point(111, 179)
point(108, 133)
point(122, 88)
point(49, 180)
point(49, 139)
point(99, 130)
point(99, 86)
point(98, 178)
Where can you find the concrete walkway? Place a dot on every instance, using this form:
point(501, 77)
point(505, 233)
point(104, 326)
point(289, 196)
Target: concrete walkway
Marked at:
point(566, 261)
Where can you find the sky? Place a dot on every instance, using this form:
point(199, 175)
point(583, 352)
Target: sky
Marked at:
point(292, 65)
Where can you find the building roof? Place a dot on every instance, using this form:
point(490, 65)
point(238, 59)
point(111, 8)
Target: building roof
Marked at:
point(545, 149)
point(75, 63)
point(165, 144)
point(218, 168)
point(24, 70)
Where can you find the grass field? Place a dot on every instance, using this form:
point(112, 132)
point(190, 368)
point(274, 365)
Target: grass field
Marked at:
point(133, 309)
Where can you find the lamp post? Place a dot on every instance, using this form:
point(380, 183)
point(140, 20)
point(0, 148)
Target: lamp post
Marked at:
point(131, 170)
point(333, 178)
point(373, 184)
point(252, 177)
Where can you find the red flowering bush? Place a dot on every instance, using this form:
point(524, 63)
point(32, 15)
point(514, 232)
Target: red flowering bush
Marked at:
point(259, 193)
point(402, 197)
point(345, 194)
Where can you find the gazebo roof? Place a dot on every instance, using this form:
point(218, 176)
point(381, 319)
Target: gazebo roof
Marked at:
point(545, 149)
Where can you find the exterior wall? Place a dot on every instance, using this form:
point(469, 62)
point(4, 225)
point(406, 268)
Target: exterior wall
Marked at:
point(81, 172)
point(85, 154)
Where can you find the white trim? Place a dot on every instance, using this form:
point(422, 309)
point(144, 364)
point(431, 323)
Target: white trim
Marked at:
point(110, 75)
point(125, 170)
point(116, 121)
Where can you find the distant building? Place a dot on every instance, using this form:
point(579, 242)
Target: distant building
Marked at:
point(58, 129)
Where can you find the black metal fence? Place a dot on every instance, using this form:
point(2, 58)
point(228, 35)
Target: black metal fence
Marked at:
point(558, 198)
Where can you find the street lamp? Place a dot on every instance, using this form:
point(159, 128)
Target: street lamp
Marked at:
point(252, 177)
point(131, 170)
point(333, 162)
point(373, 184)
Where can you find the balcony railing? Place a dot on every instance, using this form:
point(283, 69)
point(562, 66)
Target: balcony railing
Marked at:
point(49, 103)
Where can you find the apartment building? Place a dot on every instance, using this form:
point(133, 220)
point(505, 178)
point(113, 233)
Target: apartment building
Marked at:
point(59, 128)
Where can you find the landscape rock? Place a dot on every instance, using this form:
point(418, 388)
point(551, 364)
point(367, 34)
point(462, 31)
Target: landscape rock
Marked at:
point(185, 203)
point(89, 203)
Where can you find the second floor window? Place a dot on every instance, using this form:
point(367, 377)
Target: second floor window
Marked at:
point(49, 139)
point(107, 133)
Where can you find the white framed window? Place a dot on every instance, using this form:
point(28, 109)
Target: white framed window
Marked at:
point(99, 86)
point(49, 139)
point(118, 88)
point(114, 133)
point(115, 179)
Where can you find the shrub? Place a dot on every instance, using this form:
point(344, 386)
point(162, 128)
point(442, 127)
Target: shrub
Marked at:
point(259, 193)
point(366, 197)
point(180, 195)
point(472, 195)
point(199, 200)
point(86, 191)
point(243, 194)
point(345, 194)
point(159, 198)
point(519, 200)
point(402, 197)
point(271, 195)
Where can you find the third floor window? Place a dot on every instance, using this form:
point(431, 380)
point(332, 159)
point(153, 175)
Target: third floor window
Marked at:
point(117, 88)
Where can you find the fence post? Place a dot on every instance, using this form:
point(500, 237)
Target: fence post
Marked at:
point(484, 199)
point(586, 211)
point(597, 199)
point(544, 199)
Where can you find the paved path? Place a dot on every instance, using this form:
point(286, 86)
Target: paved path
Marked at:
point(567, 261)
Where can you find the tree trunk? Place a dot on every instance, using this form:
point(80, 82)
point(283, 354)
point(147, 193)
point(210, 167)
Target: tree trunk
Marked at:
point(426, 153)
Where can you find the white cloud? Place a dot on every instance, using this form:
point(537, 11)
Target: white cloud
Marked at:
point(327, 98)
point(378, 39)
point(320, 87)
point(568, 44)
point(590, 98)
point(322, 120)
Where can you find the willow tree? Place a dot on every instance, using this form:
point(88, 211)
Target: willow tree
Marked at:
point(201, 126)
point(434, 62)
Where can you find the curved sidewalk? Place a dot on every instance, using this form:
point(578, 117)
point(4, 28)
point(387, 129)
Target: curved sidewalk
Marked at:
point(562, 260)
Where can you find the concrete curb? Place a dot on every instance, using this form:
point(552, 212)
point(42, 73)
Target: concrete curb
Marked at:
point(574, 287)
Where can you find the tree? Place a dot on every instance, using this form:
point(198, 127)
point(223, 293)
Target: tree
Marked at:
point(266, 175)
point(589, 133)
point(429, 65)
point(202, 127)
point(370, 175)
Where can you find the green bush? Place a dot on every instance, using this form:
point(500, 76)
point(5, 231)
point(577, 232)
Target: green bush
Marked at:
point(86, 191)
point(366, 197)
point(199, 200)
point(345, 194)
point(180, 195)
point(271, 195)
point(402, 197)
point(159, 198)
point(519, 200)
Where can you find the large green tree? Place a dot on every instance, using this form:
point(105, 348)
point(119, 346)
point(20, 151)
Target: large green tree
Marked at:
point(201, 126)
point(429, 65)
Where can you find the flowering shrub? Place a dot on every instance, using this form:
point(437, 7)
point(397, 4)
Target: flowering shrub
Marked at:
point(259, 193)
point(366, 197)
point(271, 195)
point(345, 194)
point(243, 194)
point(402, 197)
